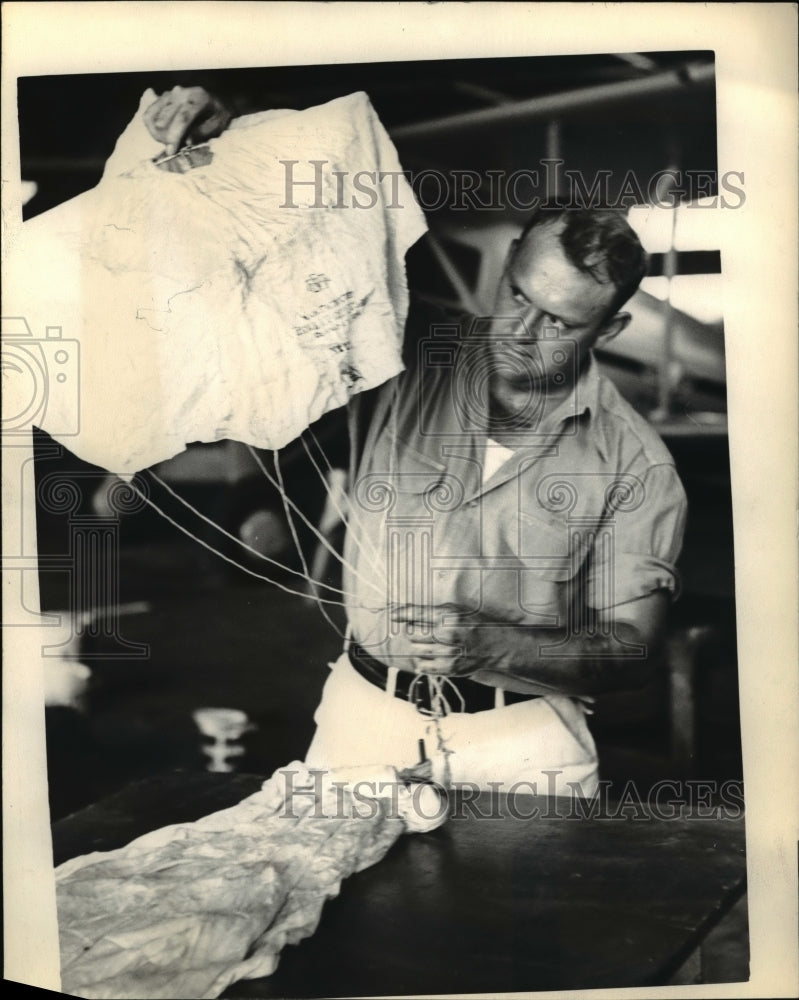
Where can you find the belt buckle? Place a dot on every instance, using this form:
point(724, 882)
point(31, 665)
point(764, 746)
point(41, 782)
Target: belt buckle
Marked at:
point(418, 693)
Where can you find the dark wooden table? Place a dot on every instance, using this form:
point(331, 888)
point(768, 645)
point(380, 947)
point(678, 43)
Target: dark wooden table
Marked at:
point(511, 894)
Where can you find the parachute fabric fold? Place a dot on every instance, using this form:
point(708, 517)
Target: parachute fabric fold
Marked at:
point(233, 301)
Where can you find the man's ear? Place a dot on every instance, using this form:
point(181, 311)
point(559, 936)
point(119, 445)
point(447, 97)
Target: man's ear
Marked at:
point(612, 328)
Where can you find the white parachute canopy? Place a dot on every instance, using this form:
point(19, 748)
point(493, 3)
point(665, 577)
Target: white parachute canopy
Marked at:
point(240, 300)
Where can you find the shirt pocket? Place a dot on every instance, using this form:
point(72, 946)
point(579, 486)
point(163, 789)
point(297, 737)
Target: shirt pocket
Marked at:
point(404, 482)
point(553, 550)
point(552, 559)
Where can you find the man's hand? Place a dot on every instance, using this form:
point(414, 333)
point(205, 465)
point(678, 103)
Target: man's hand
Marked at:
point(433, 640)
point(185, 115)
point(620, 653)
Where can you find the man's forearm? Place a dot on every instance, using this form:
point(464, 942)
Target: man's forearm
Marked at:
point(572, 663)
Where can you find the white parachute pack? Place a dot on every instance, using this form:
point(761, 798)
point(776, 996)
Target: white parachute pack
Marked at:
point(239, 300)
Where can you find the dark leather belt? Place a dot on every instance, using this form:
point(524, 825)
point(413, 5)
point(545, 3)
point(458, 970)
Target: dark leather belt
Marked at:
point(476, 697)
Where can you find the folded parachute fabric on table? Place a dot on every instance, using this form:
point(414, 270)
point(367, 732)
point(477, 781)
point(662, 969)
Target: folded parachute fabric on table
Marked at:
point(238, 300)
point(187, 910)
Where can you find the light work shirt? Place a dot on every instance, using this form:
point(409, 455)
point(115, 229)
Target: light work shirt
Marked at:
point(586, 512)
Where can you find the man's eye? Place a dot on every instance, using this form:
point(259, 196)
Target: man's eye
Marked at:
point(550, 320)
point(517, 294)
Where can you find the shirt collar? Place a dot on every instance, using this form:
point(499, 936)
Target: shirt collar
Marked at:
point(583, 401)
point(584, 397)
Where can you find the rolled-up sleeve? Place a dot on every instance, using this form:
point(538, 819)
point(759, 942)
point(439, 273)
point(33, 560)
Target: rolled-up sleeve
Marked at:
point(636, 552)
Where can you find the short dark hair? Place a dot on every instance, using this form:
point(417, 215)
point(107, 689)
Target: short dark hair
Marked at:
point(599, 242)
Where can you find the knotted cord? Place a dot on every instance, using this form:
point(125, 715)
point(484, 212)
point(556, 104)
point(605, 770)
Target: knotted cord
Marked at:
point(439, 708)
point(436, 685)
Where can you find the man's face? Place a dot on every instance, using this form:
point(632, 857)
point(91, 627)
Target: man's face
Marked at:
point(547, 315)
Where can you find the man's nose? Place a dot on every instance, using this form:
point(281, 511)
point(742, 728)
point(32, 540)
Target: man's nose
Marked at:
point(531, 327)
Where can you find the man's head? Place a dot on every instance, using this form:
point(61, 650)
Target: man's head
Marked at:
point(564, 281)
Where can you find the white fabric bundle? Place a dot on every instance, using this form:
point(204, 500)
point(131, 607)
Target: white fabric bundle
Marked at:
point(188, 909)
point(203, 306)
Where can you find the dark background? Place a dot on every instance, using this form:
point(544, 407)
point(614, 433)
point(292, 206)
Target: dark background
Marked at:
point(68, 124)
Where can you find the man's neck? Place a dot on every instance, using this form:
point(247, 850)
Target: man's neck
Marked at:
point(513, 409)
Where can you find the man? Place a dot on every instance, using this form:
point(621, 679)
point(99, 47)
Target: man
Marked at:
point(513, 530)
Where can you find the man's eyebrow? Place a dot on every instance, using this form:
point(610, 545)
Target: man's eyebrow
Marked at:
point(516, 287)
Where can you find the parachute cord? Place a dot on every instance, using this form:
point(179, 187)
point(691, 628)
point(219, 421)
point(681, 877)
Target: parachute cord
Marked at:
point(352, 513)
point(311, 526)
point(232, 537)
point(346, 519)
point(314, 593)
point(439, 707)
point(436, 690)
point(206, 545)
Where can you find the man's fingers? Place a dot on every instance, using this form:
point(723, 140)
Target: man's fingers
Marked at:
point(435, 666)
point(441, 644)
point(434, 659)
point(429, 651)
point(168, 121)
point(441, 615)
point(408, 612)
point(183, 111)
point(207, 126)
point(175, 132)
point(160, 113)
